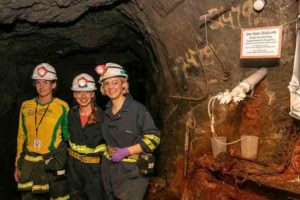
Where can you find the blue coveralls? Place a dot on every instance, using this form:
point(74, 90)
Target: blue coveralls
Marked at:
point(132, 125)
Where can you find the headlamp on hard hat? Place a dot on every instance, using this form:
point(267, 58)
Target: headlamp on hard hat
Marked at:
point(110, 70)
point(42, 71)
point(83, 82)
point(101, 69)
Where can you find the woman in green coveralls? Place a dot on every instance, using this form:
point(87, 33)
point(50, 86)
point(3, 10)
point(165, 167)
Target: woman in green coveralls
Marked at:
point(41, 150)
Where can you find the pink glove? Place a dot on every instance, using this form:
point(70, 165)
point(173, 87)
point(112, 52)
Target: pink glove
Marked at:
point(119, 154)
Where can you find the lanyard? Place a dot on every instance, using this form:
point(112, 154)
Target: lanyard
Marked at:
point(35, 118)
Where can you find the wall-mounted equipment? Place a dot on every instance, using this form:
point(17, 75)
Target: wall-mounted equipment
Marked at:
point(259, 5)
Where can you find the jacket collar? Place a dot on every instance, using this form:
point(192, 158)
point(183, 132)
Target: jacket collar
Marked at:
point(76, 110)
point(124, 108)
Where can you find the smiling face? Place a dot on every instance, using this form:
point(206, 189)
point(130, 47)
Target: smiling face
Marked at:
point(114, 87)
point(84, 98)
point(44, 88)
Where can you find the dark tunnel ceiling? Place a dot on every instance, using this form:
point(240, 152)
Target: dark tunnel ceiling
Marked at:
point(48, 11)
point(103, 31)
point(94, 38)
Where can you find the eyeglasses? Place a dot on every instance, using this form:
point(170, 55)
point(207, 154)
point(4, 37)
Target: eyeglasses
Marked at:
point(39, 83)
point(42, 71)
point(110, 83)
point(83, 82)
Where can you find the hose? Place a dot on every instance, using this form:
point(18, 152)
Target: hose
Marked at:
point(236, 95)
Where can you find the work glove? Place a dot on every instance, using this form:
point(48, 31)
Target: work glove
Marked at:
point(119, 154)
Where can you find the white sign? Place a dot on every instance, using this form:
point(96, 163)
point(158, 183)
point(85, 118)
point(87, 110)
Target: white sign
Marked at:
point(264, 42)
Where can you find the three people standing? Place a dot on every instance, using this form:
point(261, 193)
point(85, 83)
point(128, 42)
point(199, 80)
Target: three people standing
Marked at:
point(126, 127)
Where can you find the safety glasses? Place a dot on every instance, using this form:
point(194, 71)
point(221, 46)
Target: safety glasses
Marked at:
point(39, 83)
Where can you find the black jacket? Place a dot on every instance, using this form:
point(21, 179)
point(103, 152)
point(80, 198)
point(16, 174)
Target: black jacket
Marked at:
point(87, 139)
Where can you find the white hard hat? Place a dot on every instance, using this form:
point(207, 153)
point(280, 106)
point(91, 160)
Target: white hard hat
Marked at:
point(83, 82)
point(44, 71)
point(110, 70)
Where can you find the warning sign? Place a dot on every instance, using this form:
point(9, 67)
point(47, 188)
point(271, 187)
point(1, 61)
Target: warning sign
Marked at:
point(264, 42)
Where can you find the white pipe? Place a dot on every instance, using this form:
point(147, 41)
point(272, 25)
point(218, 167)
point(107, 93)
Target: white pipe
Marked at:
point(239, 92)
point(256, 77)
point(236, 95)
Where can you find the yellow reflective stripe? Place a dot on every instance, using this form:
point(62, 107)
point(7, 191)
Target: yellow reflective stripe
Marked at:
point(106, 155)
point(34, 187)
point(40, 187)
point(85, 150)
point(61, 198)
point(25, 185)
point(153, 137)
point(149, 144)
point(124, 160)
point(100, 148)
point(33, 158)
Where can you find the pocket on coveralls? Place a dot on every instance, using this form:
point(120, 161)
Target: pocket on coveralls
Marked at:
point(130, 170)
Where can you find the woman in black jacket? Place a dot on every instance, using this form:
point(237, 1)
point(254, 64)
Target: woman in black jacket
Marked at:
point(86, 142)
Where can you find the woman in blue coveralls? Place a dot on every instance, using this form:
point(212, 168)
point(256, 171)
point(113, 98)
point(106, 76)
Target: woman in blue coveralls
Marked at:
point(129, 132)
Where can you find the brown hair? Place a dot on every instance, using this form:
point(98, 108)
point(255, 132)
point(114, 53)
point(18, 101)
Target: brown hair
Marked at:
point(93, 117)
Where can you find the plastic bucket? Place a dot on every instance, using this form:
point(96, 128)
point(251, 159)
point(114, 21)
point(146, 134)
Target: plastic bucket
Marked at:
point(218, 145)
point(249, 145)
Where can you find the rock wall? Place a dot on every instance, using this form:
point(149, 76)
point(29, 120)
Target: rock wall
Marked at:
point(195, 60)
point(194, 71)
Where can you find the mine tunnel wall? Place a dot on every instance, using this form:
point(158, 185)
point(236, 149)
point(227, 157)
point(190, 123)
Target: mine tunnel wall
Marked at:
point(178, 31)
point(175, 31)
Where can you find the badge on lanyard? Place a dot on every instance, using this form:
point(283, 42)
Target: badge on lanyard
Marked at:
point(37, 143)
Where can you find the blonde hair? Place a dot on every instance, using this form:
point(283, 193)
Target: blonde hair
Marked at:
point(125, 87)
